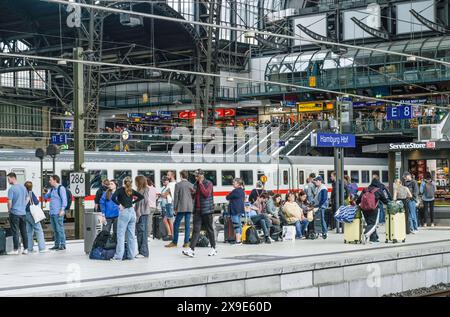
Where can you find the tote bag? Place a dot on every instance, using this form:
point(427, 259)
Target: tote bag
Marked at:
point(37, 213)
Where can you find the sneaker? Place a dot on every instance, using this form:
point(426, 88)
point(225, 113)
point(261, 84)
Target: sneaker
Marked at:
point(186, 245)
point(188, 252)
point(61, 248)
point(272, 240)
point(412, 232)
point(267, 240)
point(424, 225)
point(139, 256)
point(238, 243)
point(43, 251)
point(432, 224)
point(115, 260)
point(212, 252)
point(171, 245)
point(54, 248)
point(324, 236)
point(25, 251)
point(15, 252)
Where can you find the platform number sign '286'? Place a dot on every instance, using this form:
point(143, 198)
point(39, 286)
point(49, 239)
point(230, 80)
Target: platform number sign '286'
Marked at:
point(78, 184)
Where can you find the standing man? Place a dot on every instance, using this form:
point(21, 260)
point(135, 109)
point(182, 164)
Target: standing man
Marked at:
point(99, 194)
point(321, 202)
point(58, 205)
point(17, 204)
point(409, 182)
point(385, 192)
point(428, 190)
point(203, 213)
point(310, 188)
point(183, 206)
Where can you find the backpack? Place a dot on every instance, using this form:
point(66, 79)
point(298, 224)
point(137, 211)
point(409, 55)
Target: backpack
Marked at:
point(203, 241)
point(68, 196)
point(251, 236)
point(428, 190)
point(369, 201)
point(101, 254)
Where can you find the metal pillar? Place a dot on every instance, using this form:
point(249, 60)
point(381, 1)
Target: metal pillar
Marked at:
point(78, 104)
point(391, 171)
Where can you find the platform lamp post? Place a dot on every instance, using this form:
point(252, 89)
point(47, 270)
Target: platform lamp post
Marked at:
point(52, 151)
point(40, 154)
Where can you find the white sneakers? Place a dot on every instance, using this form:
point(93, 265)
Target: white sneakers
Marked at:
point(15, 252)
point(25, 251)
point(189, 252)
point(139, 256)
point(212, 252)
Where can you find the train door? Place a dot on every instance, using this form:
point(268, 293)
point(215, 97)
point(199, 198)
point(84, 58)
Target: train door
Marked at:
point(301, 177)
point(285, 179)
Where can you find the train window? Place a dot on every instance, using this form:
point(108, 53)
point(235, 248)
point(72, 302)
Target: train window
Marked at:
point(301, 177)
point(345, 173)
point(329, 176)
point(365, 177)
point(385, 176)
point(97, 177)
point(65, 175)
point(376, 173)
point(227, 178)
point(20, 174)
point(247, 177)
point(212, 176)
point(354, 175)
point(148, 173)
point(2, 180)
point(119, 176)
point(322, 173)
point(285, 177)
point(260, 173)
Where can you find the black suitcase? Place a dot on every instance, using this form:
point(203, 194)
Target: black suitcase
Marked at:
point(229, 234)
point(159, 229)
point(315, 227)
point(276, 232)
point(2, 241)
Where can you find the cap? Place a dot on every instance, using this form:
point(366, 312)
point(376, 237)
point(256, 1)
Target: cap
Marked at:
point(318, 178)
point(406, 174)
point(199, 172)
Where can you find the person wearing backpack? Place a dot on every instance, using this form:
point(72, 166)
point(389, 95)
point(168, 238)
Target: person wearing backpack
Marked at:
point(58, 207)
point(321, 202)
point(368, 201)
point(99, 194)
point(428, 190)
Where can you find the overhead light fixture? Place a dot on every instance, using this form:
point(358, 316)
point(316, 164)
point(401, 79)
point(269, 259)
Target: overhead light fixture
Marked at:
point(411, 59)
point(230, 79)
point(61, 62)
point(250, 35)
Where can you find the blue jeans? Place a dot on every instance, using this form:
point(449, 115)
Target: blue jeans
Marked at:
point(187, 226)
point(412, 217)
point(37, 228)
point(324, 223)
point(57, 223)
point(382, 215)
point(142, 235)
point(237, 225)
point(126, 224)
point(300, 226)
point(167, 211)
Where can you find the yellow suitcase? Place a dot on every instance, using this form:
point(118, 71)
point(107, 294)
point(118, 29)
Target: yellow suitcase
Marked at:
point(353, 231)
point(395, 227)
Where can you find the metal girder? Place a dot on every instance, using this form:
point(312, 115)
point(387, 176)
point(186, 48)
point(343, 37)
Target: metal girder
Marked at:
point(429, 24)
point(375, 32)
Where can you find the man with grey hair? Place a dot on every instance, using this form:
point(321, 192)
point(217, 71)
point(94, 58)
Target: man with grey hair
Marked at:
point(256, 192)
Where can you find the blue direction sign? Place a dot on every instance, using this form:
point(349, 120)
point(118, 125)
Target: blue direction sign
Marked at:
point(400, 112)
point(336, 140)
point(59, 139)
point(281, 143)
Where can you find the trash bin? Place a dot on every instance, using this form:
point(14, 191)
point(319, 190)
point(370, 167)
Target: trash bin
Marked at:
point(92, 227)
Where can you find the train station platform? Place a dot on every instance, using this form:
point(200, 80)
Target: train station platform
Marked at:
point(301, 268)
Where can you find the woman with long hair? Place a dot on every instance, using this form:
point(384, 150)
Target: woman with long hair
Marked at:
point(124, 198)
point(142, 211)
point(110, 211)
point(31, 225)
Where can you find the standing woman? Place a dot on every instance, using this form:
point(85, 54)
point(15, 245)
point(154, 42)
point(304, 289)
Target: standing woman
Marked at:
point(142, 211)
point(110, 211)
point(31, 225)
point(153, 197)
point(127, 219)
point(166, 208)
point(237, 208)
point(403, 194)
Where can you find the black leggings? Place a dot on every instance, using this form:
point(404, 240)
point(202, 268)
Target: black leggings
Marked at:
point(428, 207)
point(207, 222)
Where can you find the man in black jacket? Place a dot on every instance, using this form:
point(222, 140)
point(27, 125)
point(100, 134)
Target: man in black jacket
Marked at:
point(99, 194)
point(371, 215)
point(335, 184)
point(376, 182)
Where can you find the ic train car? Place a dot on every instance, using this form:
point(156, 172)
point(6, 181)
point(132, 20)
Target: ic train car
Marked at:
point(282, 175)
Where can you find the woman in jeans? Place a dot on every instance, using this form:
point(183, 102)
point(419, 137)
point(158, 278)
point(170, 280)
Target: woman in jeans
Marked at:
point(127, 219)
point(110, 211)
point(142, 211)
point(403, 194)
point(31, 225)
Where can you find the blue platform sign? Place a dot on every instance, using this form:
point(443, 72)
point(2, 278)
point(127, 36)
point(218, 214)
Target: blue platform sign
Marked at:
point(400, 112)
point(68, 124)
point(281, 143)
point(336, 140)
point(59, 139)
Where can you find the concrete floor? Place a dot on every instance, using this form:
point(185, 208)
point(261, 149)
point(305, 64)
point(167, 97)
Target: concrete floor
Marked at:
point(36, 273)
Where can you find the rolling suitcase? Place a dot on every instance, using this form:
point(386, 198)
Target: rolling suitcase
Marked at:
point(159, 229)
point(229, 234)
point(2, 241)
point(353, 231)
point(315, 227)
point(395, 227)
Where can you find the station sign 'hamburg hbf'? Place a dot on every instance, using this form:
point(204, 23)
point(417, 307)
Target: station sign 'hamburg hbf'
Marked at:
point(335, 140)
